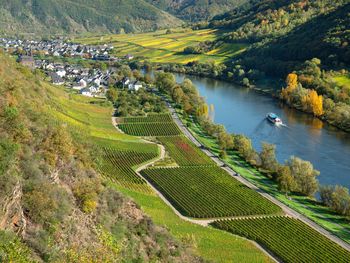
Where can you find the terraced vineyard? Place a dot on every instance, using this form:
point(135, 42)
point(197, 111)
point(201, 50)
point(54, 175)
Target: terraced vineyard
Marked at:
point(149, 118)
point(150, 129)
point(184, 152)
point(208, 192)
point(118, 159)
point(152, 125)
point(289, 239)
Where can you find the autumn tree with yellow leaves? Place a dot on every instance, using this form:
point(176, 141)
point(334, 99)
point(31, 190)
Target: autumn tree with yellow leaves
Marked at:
point(313, 102)
point(307, 100)
point(292, 83)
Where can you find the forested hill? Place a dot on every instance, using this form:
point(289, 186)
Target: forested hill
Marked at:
point(285, 33)
point(79, 16)
point(54, 206)
point(47, 17)
point(196, 10)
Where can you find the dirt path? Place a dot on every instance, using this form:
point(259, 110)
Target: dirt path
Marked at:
point(287, 210)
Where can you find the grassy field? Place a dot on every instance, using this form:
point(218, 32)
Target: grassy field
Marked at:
point(167, 48)
point(342, 80)
point(94, 118)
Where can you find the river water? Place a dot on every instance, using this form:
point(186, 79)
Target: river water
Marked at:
point(243, 111)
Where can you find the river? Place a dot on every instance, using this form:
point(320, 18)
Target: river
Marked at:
point(242, 111)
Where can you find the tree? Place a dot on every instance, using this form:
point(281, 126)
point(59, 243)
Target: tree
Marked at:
point(178, 94)
point(341, 200)
point(268, 157)
point(165, 81)
point(304, 175)
point(245, 82)
point(313, 102)
point(326, 194)
point(285, 180)
point(225, 141)
point(203, 111)
point(243, 145)
point(112, 94)
point(292, 83)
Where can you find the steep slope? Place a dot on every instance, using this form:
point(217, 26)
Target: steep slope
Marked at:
point(54, 206)
point(325, 37)
point(64, 16)
point(193, 10)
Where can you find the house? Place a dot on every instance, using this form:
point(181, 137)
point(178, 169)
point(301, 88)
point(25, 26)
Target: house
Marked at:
point(61, 73)
point(129, 57)
point(56, 79)
point(27, 61)
point(50, 66)
point(136, 85)
point(125, 81)
point(80, 84)
point(86, 92)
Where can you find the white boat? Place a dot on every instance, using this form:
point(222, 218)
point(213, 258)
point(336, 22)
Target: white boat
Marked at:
point(272, 117)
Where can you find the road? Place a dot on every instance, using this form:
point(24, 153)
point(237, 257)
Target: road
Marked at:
point(287, 210)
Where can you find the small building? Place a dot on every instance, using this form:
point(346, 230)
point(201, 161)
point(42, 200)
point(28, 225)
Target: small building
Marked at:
point(125, 81)
point(80, 84)
point(56, 79)
point(129, 57)
point(86, 92)
point(61, 73)
point(136, 85)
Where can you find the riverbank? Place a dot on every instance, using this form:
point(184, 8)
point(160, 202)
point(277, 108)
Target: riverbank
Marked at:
point(310, 208)
point(272, 89)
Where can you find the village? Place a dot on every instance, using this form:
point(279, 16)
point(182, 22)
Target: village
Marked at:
point(88, 81)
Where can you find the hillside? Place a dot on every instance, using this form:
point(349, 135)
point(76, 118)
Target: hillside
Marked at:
point(76, 17)
point(286, 33)
point(192, 10)
point(47, 17)
point(54, 205)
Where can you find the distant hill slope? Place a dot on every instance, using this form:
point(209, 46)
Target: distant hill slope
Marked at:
point(326, 37)
point(79, 16)
point(285, 33)
point(196, 10)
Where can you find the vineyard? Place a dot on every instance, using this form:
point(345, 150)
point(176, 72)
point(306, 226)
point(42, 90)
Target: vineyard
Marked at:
point(152, 125)
point(184, 152)
point(118, 160)
point(149, 118)
point(151, 129)
point(289, 239)
point(208, 192)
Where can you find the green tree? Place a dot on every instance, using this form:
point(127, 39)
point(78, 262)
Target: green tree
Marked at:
point(341, 200)
point(112, 94)
point(285, 180)
point(225, 141)
point(268, 157)
point(326, 192)
point(243, 145)
point(304, 175)
point(178, 94)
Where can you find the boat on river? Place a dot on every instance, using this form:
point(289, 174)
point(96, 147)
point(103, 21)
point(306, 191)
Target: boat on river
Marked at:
point(273, 118)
